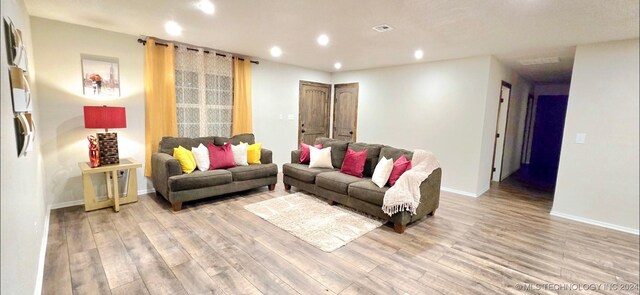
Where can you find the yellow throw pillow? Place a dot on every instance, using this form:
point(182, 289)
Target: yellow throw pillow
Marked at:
point(186, 159)
point(253, 153)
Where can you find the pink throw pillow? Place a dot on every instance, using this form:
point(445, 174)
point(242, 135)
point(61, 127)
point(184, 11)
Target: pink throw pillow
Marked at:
point(399, 167)
point(220, 157)
point(305, 154)
point(353, 163)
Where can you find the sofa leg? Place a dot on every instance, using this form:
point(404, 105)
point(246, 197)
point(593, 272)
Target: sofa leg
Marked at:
point(176, 206)
point(330, 202)
point(272, 187)
point(287, 186)
point(433, 213)
point(399, 228)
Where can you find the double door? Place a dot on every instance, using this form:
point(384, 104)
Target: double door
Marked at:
point(315, 111)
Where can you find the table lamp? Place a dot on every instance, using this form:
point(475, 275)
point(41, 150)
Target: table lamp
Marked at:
point(104, 117)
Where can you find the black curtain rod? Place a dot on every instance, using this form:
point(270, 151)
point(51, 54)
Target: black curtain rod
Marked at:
point(144, 42)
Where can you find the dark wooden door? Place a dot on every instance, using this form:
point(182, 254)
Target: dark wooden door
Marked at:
point(313, 116)
point(547, 136)
point(345, 111)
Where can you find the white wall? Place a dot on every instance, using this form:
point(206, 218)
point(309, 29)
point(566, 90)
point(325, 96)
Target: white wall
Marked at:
point(514, 135)
point(275, 89)
point(22, 204)
point(598, 180)
point(551, 89)
point(57, 47)
point(437, 106)
point(498, 73)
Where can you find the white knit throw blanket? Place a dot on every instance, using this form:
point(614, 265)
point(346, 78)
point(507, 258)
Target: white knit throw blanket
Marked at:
point(405, 194)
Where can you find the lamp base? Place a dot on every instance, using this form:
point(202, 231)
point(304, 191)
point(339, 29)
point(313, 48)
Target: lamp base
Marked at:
point(108, 144)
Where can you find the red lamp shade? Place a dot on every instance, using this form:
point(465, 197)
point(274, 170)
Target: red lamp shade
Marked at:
point(99, 117)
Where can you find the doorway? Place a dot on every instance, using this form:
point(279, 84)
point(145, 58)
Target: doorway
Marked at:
point(546, 143)
point(345, 111)
point(313, 114)
point(501, 130)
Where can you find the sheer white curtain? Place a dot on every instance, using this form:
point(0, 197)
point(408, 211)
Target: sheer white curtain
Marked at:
point(204, 93)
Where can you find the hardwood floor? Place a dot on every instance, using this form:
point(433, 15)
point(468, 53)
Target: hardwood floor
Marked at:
point(485, 245)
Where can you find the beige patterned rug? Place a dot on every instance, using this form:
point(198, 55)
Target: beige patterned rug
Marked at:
point(314, 221)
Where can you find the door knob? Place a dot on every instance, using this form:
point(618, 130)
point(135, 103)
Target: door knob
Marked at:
point(351, 132)
point(302, 131)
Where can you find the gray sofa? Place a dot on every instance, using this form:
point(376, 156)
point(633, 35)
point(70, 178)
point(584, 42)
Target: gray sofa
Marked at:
point(359, 193)
point(177, 187)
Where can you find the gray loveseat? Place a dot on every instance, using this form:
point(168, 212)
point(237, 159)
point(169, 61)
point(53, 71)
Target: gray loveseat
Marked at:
point(359, 193)
point(177, 187)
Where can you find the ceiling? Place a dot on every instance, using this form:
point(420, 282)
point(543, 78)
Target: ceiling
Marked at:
point(443, 29)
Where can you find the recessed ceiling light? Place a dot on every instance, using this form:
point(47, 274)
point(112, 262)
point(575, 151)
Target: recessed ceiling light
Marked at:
point(418, 54)
point(323, 40)
point(206, 6)
point(383, 28)
point(173, 28)
point(276, 51)
point(337, 65)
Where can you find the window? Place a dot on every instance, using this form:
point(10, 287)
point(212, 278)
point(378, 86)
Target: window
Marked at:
point(204, 93)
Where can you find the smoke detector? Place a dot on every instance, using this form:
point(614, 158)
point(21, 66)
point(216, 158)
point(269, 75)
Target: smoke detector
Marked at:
point(382, 28)
point(539, 61)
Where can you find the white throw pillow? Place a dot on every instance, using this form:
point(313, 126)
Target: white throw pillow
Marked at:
point(240, 154)
point(382, 172)
point(320, 158)
point(201, 154)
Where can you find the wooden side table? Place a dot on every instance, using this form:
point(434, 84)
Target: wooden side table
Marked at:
point(111, 177)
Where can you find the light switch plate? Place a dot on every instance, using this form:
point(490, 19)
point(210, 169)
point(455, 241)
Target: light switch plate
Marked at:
point(581, 138)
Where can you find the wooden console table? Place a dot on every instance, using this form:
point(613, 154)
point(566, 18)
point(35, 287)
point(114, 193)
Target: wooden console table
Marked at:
point(111, 177)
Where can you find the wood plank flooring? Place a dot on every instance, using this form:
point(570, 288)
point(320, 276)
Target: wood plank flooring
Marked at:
point(485, 245)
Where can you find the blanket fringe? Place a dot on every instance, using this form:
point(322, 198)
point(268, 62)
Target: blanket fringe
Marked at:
point(393, 209)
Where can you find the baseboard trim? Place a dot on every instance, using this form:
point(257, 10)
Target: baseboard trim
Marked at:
point(596, 222)
point(66, 204)
point(43, 253)
point(146, 191)
point(81, 202)
point(458, 192)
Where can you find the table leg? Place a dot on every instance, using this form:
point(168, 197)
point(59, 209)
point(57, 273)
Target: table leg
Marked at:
point(116, 194)
point(107, 176)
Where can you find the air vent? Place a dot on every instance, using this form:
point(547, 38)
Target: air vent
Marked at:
point(383, 28)
point(539, 61)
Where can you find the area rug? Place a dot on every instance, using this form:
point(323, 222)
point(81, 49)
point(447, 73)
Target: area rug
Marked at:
point(314, 221)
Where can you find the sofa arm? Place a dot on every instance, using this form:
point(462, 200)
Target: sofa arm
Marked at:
point(163, 166)
point(429, 202)
point(266, 156)
point(430, 193)
point(295, 156)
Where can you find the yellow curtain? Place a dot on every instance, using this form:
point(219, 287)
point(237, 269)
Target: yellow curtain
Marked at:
point(160, 97)
point(242, 115)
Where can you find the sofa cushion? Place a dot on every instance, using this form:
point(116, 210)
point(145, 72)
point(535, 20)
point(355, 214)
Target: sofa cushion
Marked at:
point(168, 143)
point(399, 167)
point(366, 190)
point(394, 153)
point(302, 172)
point(199, 179)
point(220, 157)
point(305, 153)
point(353, 163)
point(373, 155)
point(336, 181)
point(204, 140)
point(253, 171)
point(338, 149)
point(236, 139)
